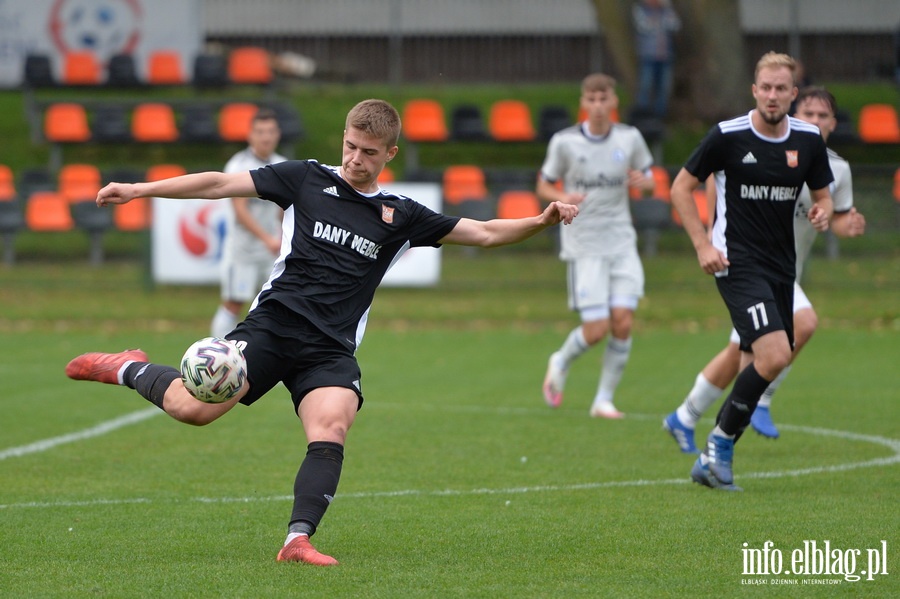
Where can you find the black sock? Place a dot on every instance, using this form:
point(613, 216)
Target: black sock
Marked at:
point(316, 484)
point(150, 380)
point(735, 414)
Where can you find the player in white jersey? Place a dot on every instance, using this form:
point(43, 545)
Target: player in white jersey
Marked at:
point(253, 239)
point(596, 162)
point(817, 106)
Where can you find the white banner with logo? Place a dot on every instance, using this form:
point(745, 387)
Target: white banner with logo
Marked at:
point(188, 238)
point(105, 27)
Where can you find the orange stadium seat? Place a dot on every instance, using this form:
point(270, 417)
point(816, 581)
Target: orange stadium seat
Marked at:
point(463, 182)
point(66, 122)
point(136, 215)
point(164, 68)
point(154, 122)
point(423, 120)
point(510, 120)
point(79, 182)
point(157, 172)
point(386, 175)
point(48, 211)
point(518, 203)
point(249, 65)
point(235, 120)
point(661, 185)
point(700, 201)
point(81, 68)
point(879, 124)
point(897, 185)
point(7, 184)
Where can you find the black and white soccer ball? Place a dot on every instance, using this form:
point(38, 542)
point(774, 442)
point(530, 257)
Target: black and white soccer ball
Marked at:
point(213, 369)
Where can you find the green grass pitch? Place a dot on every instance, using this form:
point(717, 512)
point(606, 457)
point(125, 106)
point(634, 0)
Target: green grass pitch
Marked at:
point(458, 480)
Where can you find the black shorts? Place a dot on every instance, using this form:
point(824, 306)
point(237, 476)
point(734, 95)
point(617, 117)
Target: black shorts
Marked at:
point(283, 346)
point(758, 305)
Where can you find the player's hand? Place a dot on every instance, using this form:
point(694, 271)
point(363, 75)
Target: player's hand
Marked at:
point(116, 193)
point(818, 218)
point(856, 223)
point(559, 212)
point(638, 180)
point(273, 244)
point(711, 259)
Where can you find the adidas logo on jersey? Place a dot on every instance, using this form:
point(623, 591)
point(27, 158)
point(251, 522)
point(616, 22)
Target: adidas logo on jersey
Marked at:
point(749, 158)
point(331, 191)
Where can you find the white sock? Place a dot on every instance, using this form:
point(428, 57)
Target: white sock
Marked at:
point(293, 535)
point(614, 360)
point(765, 400)
point(223, 322)
point(720, 433)
point(701, 397)
point(120, 374)
point(572, 348)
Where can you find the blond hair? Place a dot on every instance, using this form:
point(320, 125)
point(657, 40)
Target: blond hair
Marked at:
point(376, 118)
point(774, 60)
point(598, 82)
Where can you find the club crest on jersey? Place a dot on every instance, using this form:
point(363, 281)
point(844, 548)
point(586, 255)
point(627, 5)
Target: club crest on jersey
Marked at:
point(387, 214)
point(791, 158)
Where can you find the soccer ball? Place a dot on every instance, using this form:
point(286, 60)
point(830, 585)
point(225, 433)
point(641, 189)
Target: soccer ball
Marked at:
point(213, 369)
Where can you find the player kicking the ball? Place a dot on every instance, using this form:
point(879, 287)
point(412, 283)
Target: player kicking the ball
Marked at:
point(340, 234)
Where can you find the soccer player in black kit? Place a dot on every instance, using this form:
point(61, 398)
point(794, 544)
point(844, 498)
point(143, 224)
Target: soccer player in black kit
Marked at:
point(761, 160)
point(340, 235)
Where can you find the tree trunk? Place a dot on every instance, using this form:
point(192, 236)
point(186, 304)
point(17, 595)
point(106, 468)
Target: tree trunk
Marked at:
point(711, 79)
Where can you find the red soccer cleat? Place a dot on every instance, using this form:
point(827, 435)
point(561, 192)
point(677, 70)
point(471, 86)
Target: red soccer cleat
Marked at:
point(300, 550)
point(103, 368)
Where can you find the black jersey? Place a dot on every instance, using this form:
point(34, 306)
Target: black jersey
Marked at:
point(341, 243)
point(758, 182)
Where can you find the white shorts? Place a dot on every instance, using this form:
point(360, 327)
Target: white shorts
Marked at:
point(597, 283)
point(801, 302)
point(241, 281)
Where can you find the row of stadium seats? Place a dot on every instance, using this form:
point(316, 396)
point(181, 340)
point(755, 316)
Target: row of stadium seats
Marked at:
point(66, 201)
point(42, 203)
point(465, 190)
point(193, 121)
point(511, 120)
point(160, 122)
point(246, 65)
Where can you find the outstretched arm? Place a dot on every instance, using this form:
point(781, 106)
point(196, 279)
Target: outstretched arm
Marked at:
point(504, 231)
point(206, 186)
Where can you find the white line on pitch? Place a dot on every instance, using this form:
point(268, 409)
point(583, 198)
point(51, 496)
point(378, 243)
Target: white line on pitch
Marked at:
point(892, 444)
point(95, 431)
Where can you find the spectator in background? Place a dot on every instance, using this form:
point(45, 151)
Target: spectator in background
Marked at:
point(254, 235)
point(655, 23)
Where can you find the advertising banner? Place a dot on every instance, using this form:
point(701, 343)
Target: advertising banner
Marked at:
point(188, 239)
point(105, 27)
